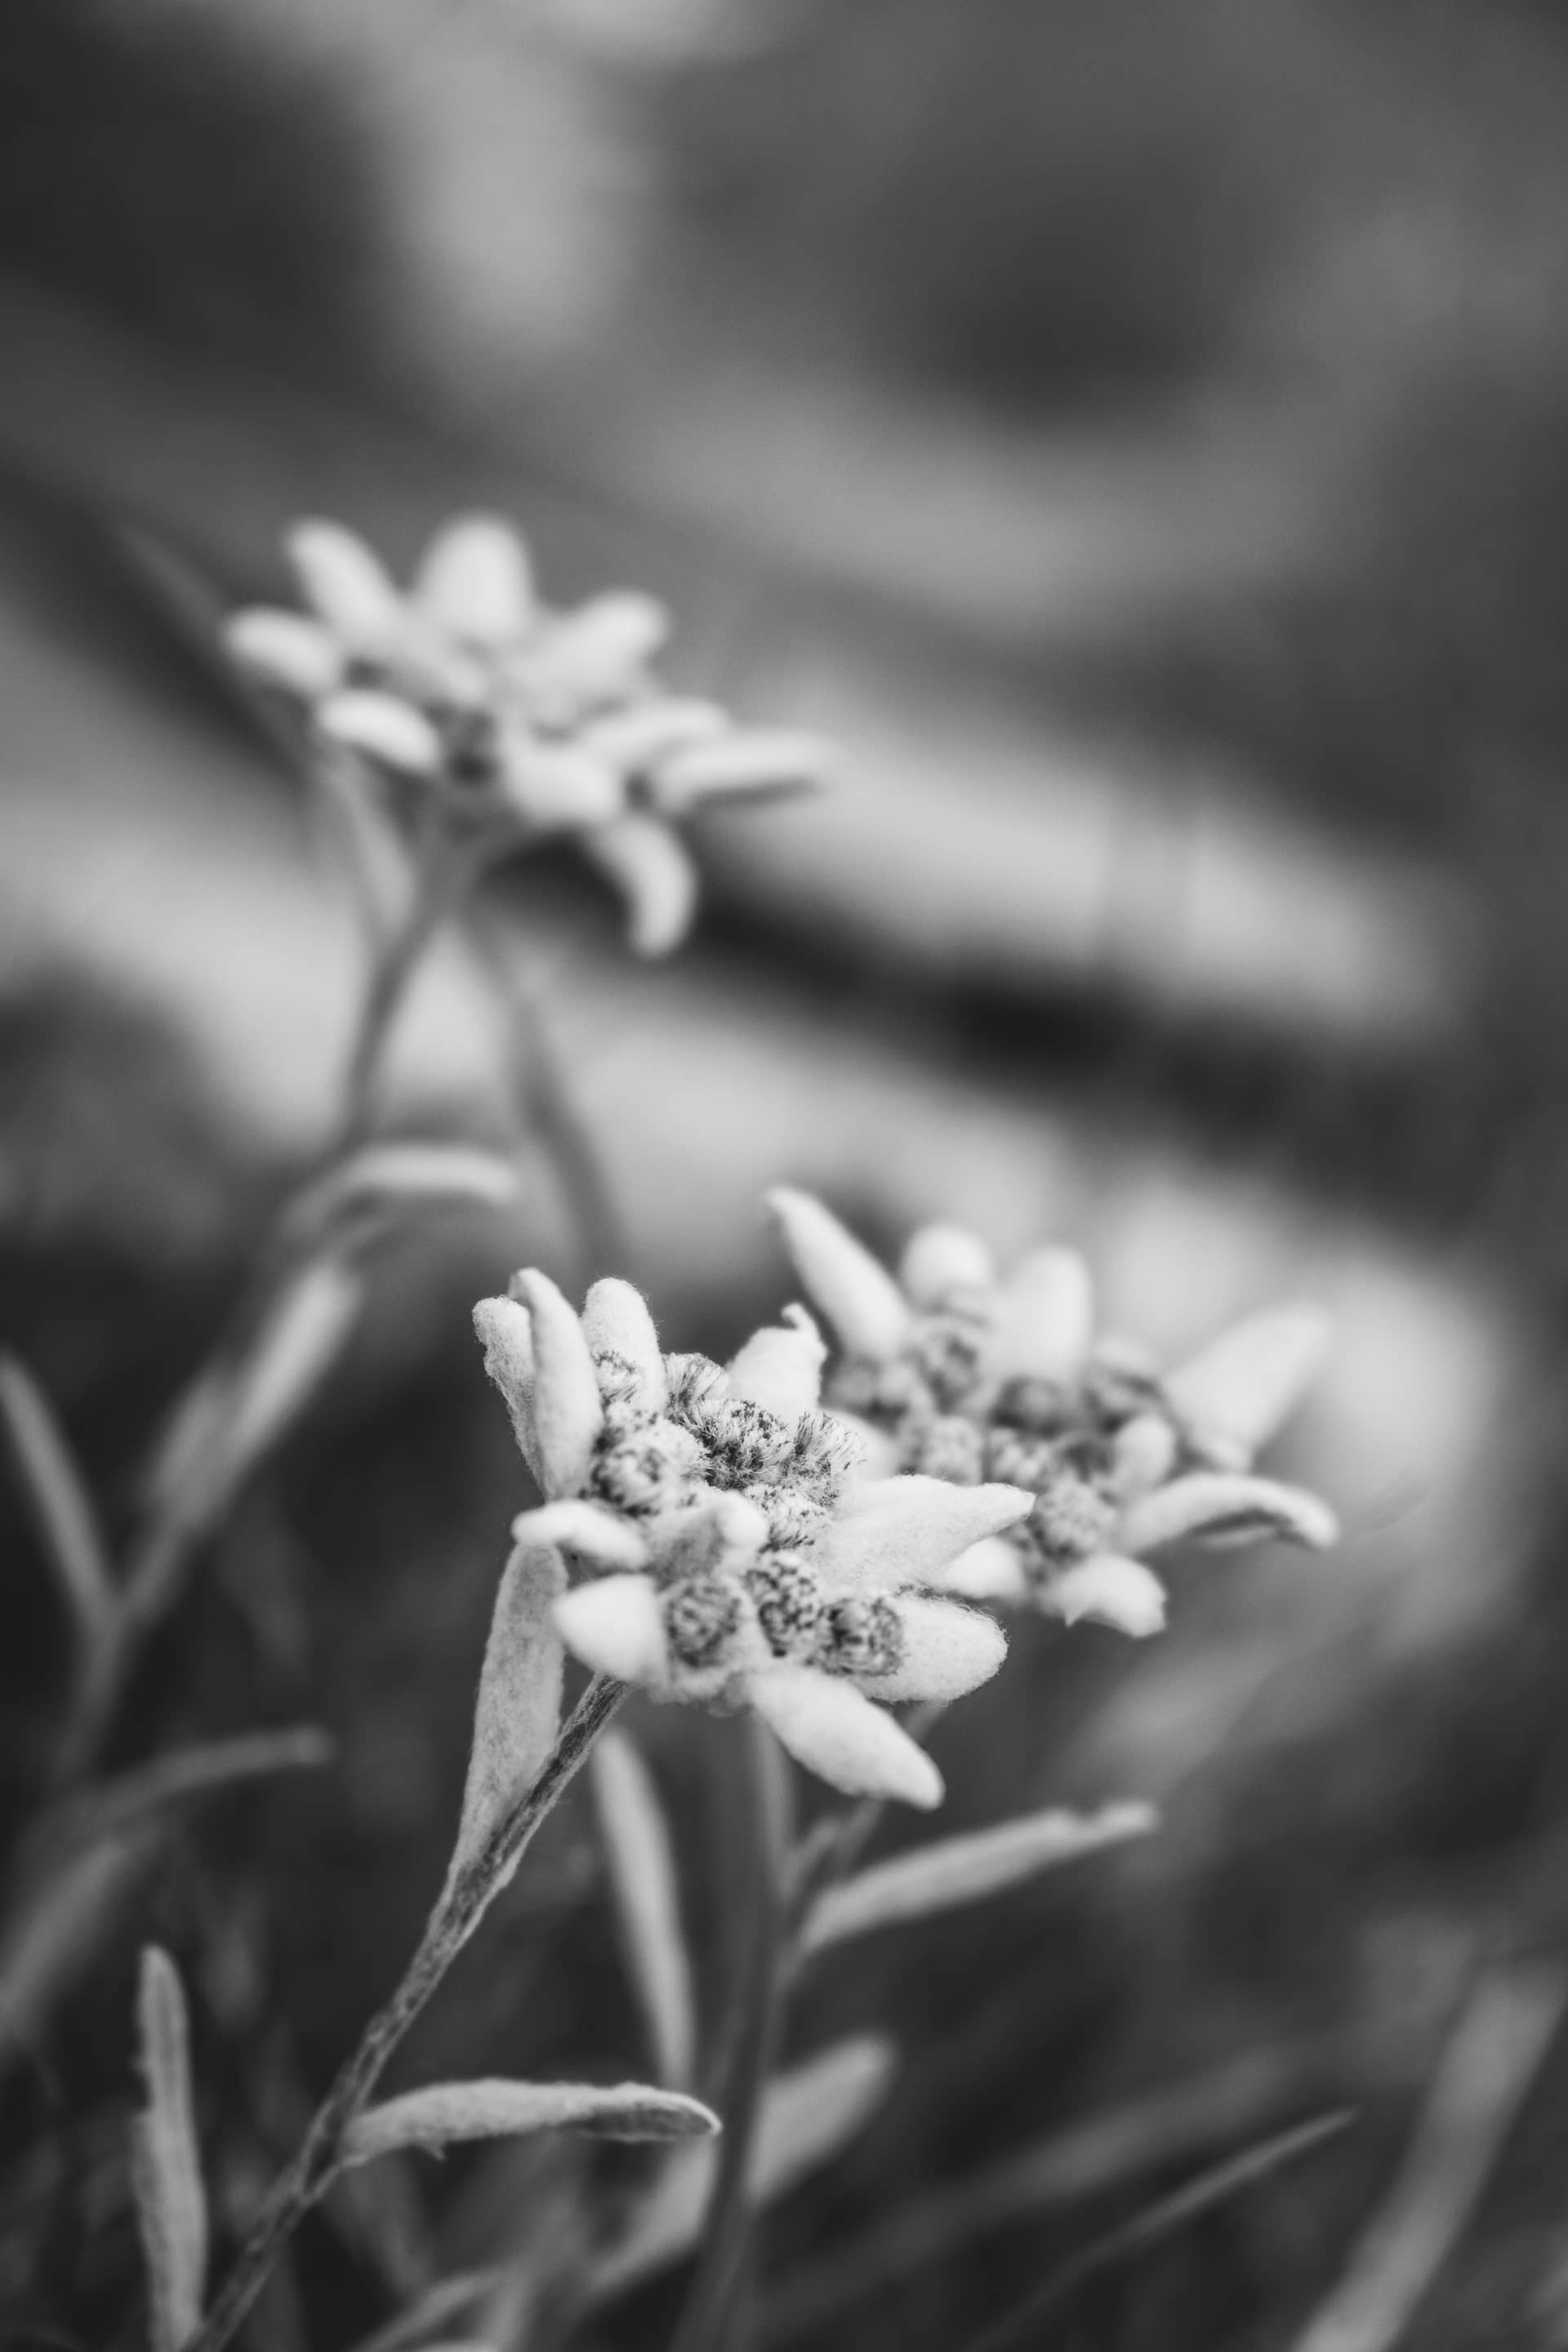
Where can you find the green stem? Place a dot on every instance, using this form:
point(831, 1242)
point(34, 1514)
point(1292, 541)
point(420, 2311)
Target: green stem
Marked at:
point(701, 2327)
point(315, 2164)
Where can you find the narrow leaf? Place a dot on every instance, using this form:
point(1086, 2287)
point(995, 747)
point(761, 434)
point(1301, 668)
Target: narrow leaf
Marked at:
point(518, 1712)
point(494, 2109)
point(233, 1414)
point(389, 1174)
point(59, 1927)
point(641, 1860)
point(60, 1505)
point(956, 1871)
point(171, 2204)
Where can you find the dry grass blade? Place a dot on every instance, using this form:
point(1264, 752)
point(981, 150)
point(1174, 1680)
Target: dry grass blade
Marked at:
point(809, 2116)
point(58, 1498)
point(641, 1864)
point(125, 1802)
point(956, 1871)
point(1016, 2331)
point(56, 1938)
point(1490, 2062)
point(166, 2173)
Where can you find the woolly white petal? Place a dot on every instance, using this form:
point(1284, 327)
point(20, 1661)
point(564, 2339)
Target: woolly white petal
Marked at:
point(910, 1530)
point(557, 787)
point(1219, 1506)
point(347, 583)
point(603, 1536)
point(781, 1368)
point(616, 1322)
point(1045, 1318)
point(859, 1297)
point(616, 1626)
point(835, 1732)
point(1145, 1450)
point(382, 727)
point(474, 580)
point(1118, 1593)
point(652, 869)
point(744, 765)
point(638, 737)
point(598, 652)
point(942, 1260)
point(1234, 1393)
point(992, 1569)
point(286, 649)
point(567, 1414)
point(506, 1331)
point(948, 1650)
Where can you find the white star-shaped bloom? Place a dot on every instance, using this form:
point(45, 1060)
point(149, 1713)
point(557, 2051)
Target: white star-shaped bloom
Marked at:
point(721, 1547)
point(524, 721)
point(961, 1373)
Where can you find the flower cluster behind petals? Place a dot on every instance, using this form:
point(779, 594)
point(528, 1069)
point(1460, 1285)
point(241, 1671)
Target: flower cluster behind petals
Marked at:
point(522, 721)
point(955, 1373)
point(719, 1543)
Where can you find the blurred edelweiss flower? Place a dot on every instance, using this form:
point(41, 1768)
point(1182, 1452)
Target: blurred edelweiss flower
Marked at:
point(525, 721)
point(720, 1544)
point(954, 1372)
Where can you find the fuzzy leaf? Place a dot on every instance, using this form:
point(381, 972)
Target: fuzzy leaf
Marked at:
point(992, 1569)
point(166, 2174)
point(495, 2109)
point(961, 1870)
point(869, 1312)
point(641, 1865)
point(518, 1713)
point(60, 1504)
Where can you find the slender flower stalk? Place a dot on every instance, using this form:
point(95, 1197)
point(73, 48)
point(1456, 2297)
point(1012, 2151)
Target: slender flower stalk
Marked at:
point(463, 1904)
point(753, 2047)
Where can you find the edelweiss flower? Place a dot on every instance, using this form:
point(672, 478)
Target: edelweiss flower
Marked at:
point(721, 1546)
point(526, 722)
point(956, 1373)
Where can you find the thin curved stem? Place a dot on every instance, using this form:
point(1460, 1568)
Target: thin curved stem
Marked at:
point(315, 2164)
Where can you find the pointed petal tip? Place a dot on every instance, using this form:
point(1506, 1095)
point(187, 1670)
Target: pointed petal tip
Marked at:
point(613, 1626)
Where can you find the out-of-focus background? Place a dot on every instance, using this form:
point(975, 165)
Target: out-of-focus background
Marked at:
point(1140, 438)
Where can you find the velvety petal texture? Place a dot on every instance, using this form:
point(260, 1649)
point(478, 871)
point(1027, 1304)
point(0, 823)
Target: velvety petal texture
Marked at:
point(861, 1299)
point(835, 1732)
point(476, 581)
point(1114, 1591)
point(909, 1531)
point(616, 1322)
point(1240, 1389)
point(651, 869)
point(567, 1414)
point(1222, 1507)
point(781, 1368)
